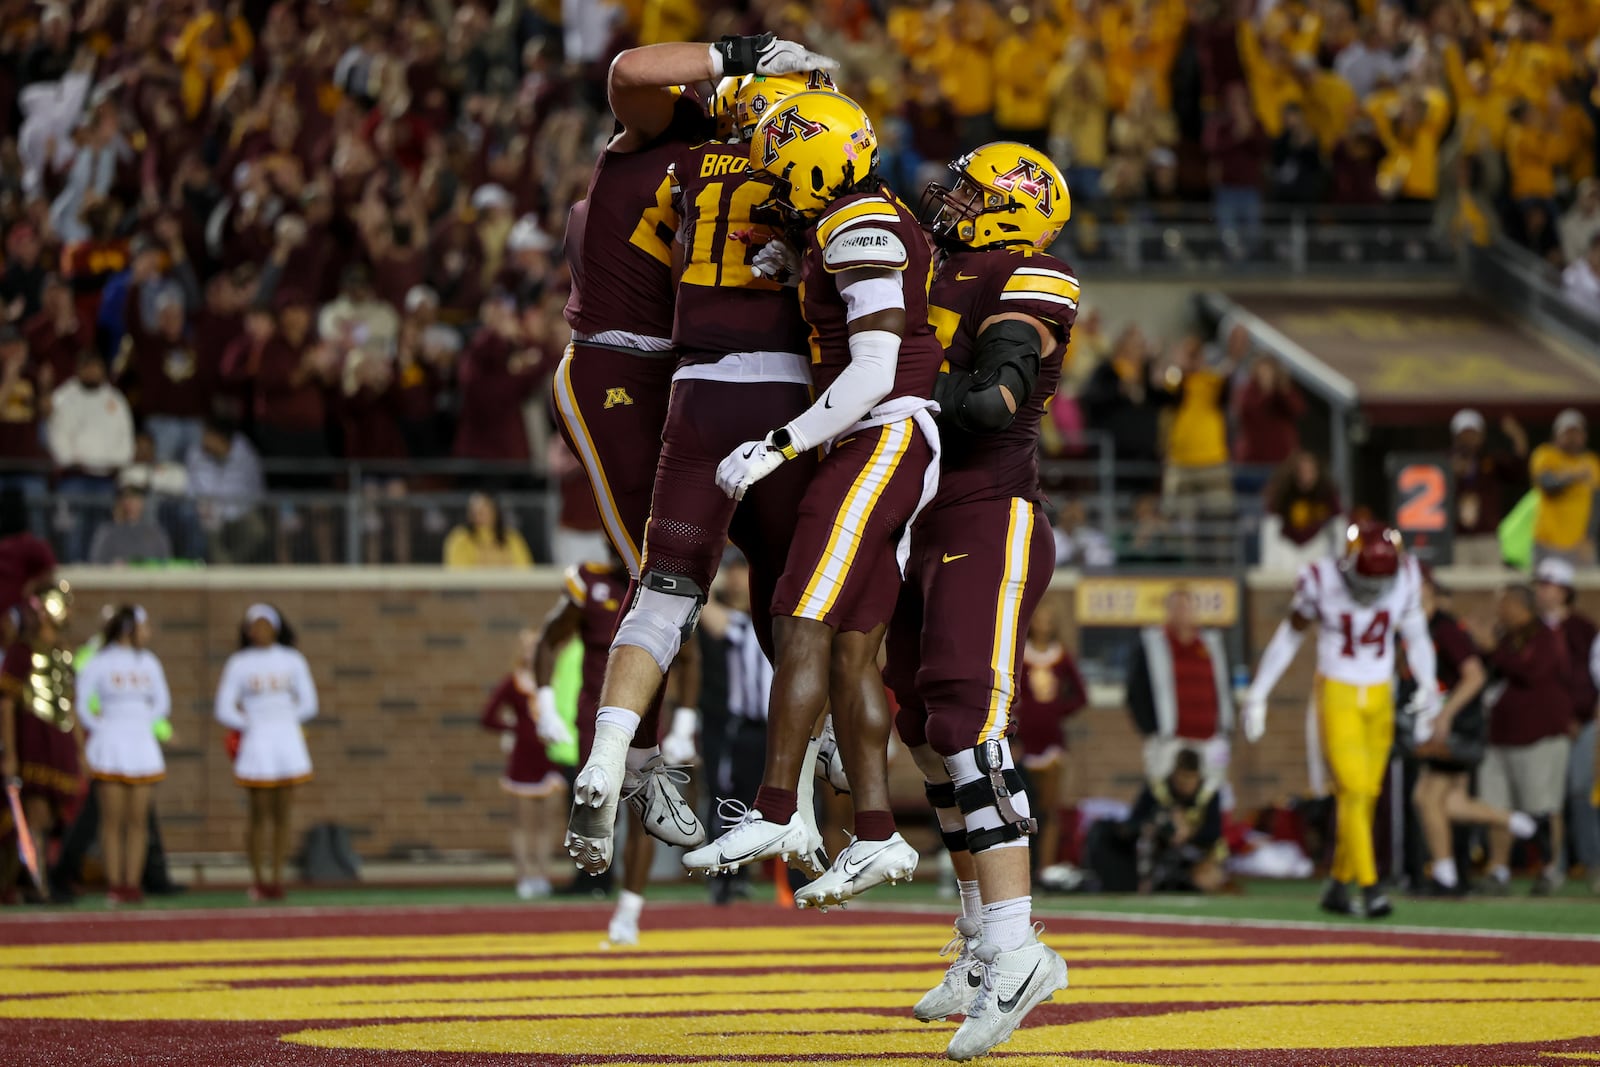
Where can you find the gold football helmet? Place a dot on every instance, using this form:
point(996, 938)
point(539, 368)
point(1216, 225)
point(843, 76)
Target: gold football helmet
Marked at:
point(757, 93)
point(815, 146)
point(1005, 193)
point(720, 107)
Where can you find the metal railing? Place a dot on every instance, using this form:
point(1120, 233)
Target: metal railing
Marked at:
point(1292, 241)
point(1529, 287)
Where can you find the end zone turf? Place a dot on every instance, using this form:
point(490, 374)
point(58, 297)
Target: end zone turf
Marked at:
point(450, 986)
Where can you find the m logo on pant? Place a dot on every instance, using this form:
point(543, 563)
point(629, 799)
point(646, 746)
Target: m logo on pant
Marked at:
point(617, 398)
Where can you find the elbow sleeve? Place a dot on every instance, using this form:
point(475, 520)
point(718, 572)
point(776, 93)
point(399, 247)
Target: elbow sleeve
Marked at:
point(1007, 361)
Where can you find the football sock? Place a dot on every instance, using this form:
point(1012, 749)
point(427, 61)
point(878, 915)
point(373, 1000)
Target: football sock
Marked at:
point(638, 757)
point(776, 805)
point(971, 900)
point(1523, 825)
point(623, 719)
point(1444, 872)
point(1006, 923)
point(874, 825)
point(629, 905)
point(1501, 874)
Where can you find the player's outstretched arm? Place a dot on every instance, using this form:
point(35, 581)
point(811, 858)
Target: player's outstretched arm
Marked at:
point(640, 81)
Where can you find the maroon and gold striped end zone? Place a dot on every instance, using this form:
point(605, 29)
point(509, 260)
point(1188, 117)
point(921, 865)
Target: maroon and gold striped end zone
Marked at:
point(711, 988)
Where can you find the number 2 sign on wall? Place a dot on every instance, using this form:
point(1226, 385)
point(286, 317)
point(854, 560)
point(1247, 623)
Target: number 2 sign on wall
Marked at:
point(1423, 490)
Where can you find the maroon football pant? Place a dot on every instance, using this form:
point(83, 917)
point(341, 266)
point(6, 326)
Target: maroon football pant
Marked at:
point(692, 521)
point(977, 572)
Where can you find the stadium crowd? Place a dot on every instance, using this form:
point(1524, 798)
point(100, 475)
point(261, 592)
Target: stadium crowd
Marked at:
point(334, 230)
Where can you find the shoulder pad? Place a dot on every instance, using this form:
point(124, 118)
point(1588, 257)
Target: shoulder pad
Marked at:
point(1043, 284)
point(864, 246)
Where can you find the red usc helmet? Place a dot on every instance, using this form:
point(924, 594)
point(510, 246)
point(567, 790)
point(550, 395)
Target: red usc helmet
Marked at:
point(1371, 559)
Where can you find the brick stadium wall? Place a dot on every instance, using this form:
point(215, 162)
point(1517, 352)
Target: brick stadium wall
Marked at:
point(404, 659)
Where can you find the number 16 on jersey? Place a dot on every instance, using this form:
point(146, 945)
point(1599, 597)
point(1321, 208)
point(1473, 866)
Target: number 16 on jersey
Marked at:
point(1423, 489)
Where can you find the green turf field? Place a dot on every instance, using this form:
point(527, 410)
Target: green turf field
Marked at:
point(1573, 911)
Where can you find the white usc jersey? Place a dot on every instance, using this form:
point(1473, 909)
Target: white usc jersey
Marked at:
point(1355, 641)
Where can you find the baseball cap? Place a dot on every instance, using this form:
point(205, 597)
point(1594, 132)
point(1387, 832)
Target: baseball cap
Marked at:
point(1466, 419)
point(1556, 572)
point(491, 195)
point(1570, 419)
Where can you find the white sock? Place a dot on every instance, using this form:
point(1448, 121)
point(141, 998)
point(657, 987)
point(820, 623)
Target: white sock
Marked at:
point(1501, 874)
point(623, 719)
point(971, 900)
point(1444, 872)
point(1523, 825)
point(1006, 923)
point(629, 905)
point(638, 757)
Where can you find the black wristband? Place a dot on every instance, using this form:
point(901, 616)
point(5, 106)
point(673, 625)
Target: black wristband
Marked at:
point(740, 54)
point(783, 442)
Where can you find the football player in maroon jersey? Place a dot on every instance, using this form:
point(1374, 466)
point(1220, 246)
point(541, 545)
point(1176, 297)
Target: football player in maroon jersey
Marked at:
point(981, 559)
point(683, 546)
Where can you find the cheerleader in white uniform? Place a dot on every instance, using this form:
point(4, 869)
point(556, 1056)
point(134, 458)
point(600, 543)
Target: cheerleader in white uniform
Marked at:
point(266, 693)
point(124, 703)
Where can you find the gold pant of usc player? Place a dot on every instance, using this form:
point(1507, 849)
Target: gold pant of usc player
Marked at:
point(1357, 728)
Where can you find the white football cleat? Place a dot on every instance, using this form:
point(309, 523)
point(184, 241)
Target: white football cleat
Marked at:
point(1010, 985)
point(829, 765)
point(595, 794)
point(955, 993)
point(858, 867)
point(653, 792)
point(750, 840)
point(533, 888)
point(622, 931)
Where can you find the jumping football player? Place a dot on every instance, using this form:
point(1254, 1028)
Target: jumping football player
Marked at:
point(740, 343)
point(1359, 602)
point(591, 604)
point(863, 267)
point(612, 385)
point(981, 559)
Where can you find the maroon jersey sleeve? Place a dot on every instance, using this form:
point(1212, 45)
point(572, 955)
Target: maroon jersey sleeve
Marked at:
point(722, 306)
point(968, 290)
point(494, 711)
point(876, 231)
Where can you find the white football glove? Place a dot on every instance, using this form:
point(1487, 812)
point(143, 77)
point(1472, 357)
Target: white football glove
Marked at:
point(1424, 708)
point(776, 261)
point(747, 465)
point(678, 746)
point(788, 57)
point(1253, 717)
point(547, 721)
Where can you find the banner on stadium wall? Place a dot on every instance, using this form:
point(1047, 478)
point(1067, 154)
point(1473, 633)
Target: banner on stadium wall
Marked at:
point(1109, 601)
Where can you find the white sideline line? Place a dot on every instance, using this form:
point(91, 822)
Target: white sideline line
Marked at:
point(1273, 924)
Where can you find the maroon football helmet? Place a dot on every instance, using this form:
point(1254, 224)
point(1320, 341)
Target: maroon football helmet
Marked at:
point(1371, 559)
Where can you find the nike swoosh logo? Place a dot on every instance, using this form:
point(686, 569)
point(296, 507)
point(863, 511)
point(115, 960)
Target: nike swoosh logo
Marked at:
point(839, 444)
point(966, 277)
point(1006, 1004)
point(974, 979)
point(751, 451)
point(827, 399)
point(948, 558)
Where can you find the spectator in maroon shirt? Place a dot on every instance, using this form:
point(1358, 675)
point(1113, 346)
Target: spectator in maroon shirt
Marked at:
point(289, 374)
point(425, 360)
point(24, 403)
point(1301, 503)
point(1269, 413)
point(58, 332)
point(1558, 607)
point(499, 371)
point(172, 386)
point(1486, 481)
point(455, 266)
point(1355, 164)
point(1530, 723)
point(1238, 151)
point(1180, 692)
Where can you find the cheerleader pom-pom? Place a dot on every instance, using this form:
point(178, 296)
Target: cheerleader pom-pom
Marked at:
point(162, 728)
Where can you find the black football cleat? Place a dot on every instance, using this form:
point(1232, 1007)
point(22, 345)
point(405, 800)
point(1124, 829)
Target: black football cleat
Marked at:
point(1336, 900)
point(1375, 903)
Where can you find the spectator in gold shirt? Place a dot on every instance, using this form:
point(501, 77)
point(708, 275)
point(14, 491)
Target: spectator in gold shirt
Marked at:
point(1022, 82)
point(1410, 124)
point(1080, 118)
point(1565, 474)
point(1198, 481)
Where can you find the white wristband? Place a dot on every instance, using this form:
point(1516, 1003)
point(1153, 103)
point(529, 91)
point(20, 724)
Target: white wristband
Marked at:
point(544, 701)
point(685, 721)
point(716, 62)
